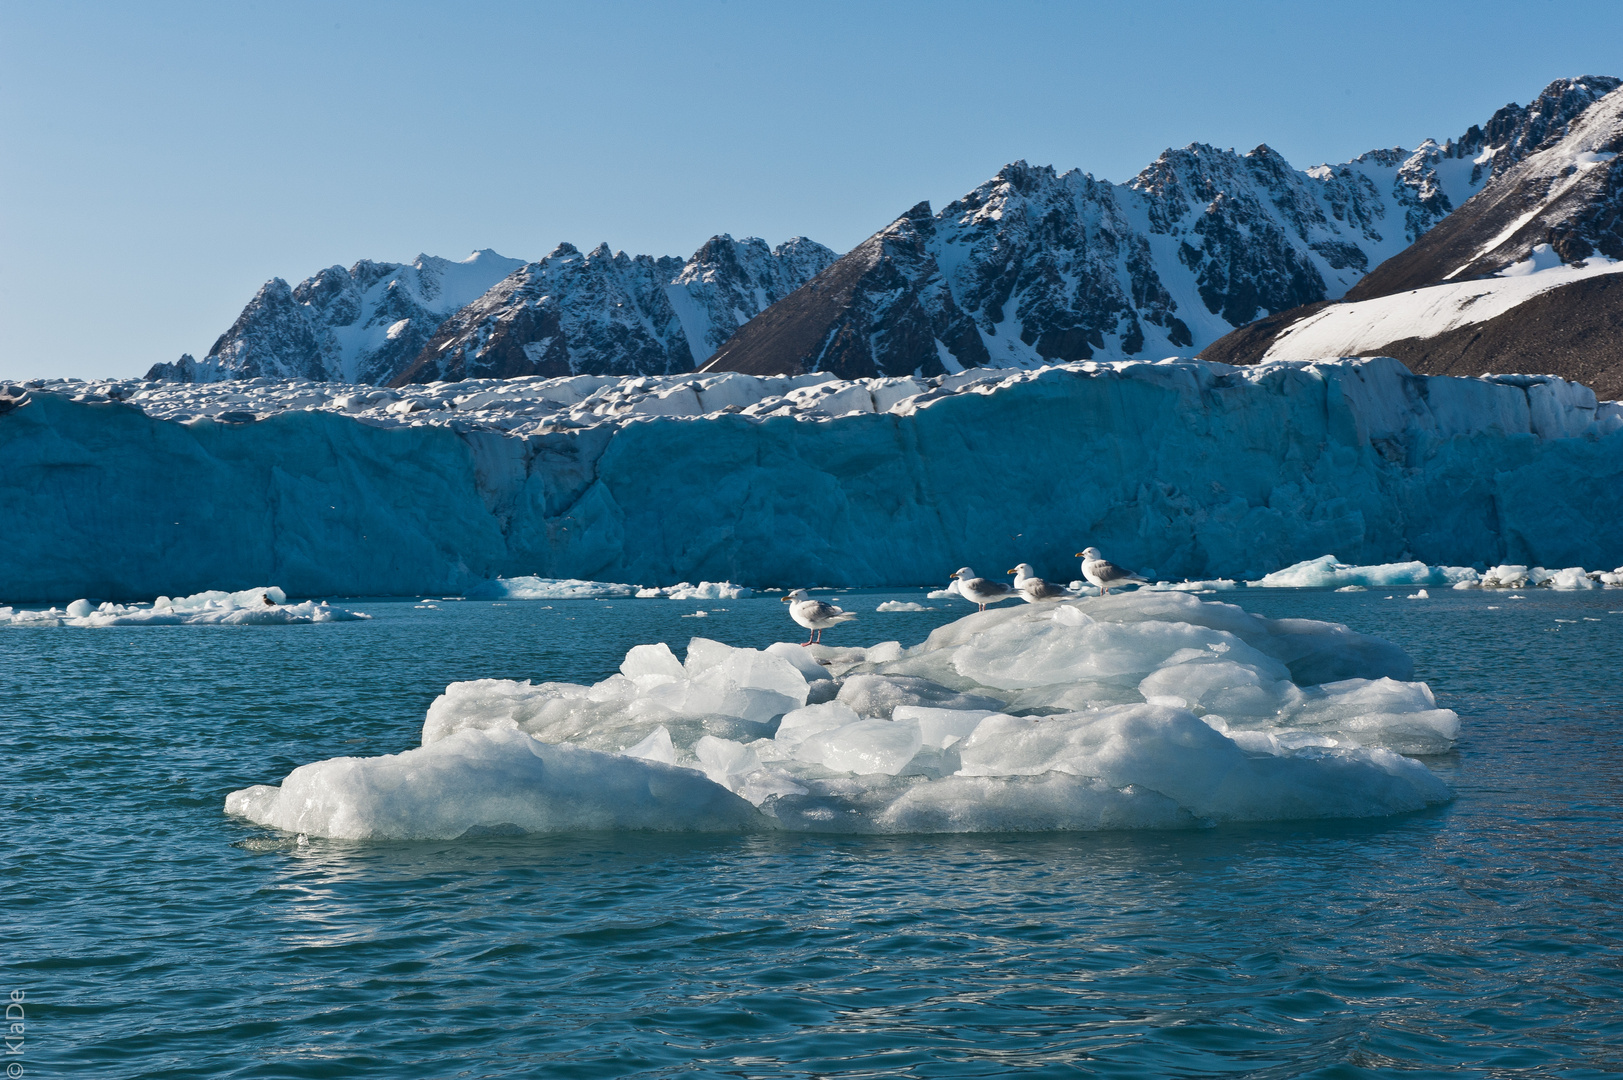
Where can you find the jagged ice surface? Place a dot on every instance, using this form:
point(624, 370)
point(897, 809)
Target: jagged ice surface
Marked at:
point(1155, 710)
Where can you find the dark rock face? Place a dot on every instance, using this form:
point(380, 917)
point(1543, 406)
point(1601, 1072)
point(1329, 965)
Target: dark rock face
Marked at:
point(880, 310)
point(728, 282)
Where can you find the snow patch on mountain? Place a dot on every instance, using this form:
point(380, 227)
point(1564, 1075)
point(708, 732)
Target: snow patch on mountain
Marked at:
point(1365, 327)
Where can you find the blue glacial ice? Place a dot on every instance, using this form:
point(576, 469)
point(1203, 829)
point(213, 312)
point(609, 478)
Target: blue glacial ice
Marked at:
point(1190, 469)
point(1149, 710)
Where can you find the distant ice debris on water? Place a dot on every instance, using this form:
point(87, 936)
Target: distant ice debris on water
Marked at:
point(1214, 585)
point(1144, 711)
point(903, 605)
point(704, 590)
point(539, 588)
point(1327, 572)
point(247, 607)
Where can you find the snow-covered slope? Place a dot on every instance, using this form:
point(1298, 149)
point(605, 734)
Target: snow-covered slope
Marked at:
point(1366, 327)
point(356, 325)
point(1036, 266)
point(1189, 469)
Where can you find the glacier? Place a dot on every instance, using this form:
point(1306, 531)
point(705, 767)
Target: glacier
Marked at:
point(1155, 710)
point(124, 490)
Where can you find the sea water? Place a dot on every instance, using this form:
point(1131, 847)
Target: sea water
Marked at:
point(152, 935)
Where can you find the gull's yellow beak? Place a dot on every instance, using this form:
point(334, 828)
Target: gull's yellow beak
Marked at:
point(1078, 555)
point(1014, 571)
point(783, 599)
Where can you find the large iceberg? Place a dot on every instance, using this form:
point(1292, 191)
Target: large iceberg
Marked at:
point(1194, 469)
point(1152, 710)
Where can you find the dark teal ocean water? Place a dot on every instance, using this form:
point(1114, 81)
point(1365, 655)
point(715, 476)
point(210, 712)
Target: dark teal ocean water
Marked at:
point(150, 935)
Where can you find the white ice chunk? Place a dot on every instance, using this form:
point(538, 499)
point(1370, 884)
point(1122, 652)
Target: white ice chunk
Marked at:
point(941, 728)
point(538, 588)
point(801, 658)
point(656, 747)
point(1170, 751)
point(491, 781)
point(866, 747)
point(801, 724)
point(652, 660)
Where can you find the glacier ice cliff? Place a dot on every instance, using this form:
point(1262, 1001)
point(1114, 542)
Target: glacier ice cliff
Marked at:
point(125, 490)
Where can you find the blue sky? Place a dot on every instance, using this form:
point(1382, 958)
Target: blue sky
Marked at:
point(159, 161)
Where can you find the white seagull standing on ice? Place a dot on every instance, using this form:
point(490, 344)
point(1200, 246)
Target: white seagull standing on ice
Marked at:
point(814, 615)
point(1104, 573)
point(978, 590)
point(1033, 589)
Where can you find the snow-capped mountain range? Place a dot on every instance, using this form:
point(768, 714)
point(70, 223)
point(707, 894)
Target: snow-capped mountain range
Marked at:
point(361, 325)
point(1037, 266)
point(1033, 266)
point(609, 313)
point(597, 312)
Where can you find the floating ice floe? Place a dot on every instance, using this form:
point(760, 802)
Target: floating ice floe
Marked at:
point(1327, 572)
point(903, 605)
point(247, 607)
point(539, 588)
point(704, 590)
point(1147, 710)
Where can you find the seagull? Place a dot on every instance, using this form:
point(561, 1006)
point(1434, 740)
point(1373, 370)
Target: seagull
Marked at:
point(814, 615)
point(978, 590)
point(1103, 573)
point(1033, 589)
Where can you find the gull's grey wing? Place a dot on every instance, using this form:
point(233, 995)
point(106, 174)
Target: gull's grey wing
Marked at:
point(1109, 571)
point(819, 611)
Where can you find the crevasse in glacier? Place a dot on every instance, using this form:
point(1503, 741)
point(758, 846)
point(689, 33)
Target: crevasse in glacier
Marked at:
point(1152, 710)
point(1186, 468)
